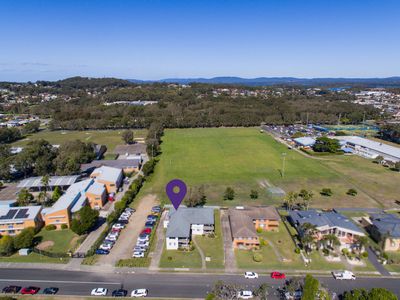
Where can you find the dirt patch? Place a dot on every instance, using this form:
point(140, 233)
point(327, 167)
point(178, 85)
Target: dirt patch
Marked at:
point(45, 245)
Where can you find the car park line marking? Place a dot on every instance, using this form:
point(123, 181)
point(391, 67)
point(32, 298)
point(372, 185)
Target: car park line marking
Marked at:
point(60, 281)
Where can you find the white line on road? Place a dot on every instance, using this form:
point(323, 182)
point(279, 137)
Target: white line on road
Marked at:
point(60, 281)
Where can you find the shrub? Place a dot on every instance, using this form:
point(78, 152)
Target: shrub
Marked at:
point(325, 251)
point(352, 192)
point(50, 227)
point(297, 250)
point(364, 254)
point(64, 226)
point(211, 235)
point(345, 251)
point(25, 238)
point(169, 258)
point(143, 262)
point(229, 194)
point(259, 230)
point(326, 192)
point(257, 257)
point(210, 296)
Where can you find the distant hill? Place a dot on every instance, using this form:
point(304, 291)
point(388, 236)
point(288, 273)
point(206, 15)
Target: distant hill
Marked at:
point(268, 81)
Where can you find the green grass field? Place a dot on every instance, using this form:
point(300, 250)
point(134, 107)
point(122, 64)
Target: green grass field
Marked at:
point(245, 159)
point(62, 240)
point(110, 138)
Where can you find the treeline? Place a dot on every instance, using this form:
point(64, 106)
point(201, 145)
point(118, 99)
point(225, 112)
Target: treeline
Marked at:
point(390, 132)
point(39, 158)
point(9, 135)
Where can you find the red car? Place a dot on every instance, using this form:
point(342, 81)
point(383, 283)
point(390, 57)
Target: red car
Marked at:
point(278, 275)
point(146, 231)
point(30, 290)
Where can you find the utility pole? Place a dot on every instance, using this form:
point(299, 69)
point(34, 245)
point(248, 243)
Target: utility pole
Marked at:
point(283, 164)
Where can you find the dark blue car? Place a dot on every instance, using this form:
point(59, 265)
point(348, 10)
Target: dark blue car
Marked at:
point(102, 252)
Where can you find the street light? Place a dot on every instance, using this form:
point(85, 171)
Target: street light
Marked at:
point(283, 164)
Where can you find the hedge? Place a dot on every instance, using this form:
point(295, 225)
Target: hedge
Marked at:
point(142, 262)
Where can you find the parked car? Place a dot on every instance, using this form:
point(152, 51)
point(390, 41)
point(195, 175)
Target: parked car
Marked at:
point(250, 275)
point(111, 197)
point(11, 289)
point(102, 252)
point(119, 293)
point(107, 247)
point(50, 291)
point(132, 210)
point(139, 249)
point(112, 238)
point(118, 226)
point(149, 225)
point(278, 275)
point(138, 254)
point(99, 292)
point(143, 237)
point(245, 295)
point(156, 209)
point(30, 290)
point(152, 218)
point(123, 221)
point(125, 215)
point(144, 244)
point(146, 230)
point(139, 293)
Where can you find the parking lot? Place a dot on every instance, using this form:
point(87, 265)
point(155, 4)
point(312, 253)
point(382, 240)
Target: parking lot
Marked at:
point(128, 236)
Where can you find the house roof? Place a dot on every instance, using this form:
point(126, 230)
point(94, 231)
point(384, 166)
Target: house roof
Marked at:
point(130, 149)
point(387, 224)
point(180, 220)
point(324, 219)
point(22, 213)
point(116, 163)
point(107, 173)
point(36, 182)
point(241, 220)
point(305, 141)
point(74, 198)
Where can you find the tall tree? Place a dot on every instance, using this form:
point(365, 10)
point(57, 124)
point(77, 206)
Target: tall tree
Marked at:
point(24, 197)
point(307, 197)
point(290, 200)
point(128, 136)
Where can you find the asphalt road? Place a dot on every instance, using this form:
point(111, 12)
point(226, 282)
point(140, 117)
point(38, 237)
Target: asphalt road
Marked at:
point(162, 284)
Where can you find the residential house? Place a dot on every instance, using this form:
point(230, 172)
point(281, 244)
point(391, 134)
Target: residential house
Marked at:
point(325, 223)
point(110, 177)
point(14, 219)
point(181, 224)
point(385, 229)
point(245, 221)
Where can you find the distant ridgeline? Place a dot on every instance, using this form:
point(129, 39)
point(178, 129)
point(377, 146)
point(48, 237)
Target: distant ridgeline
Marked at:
point(92, 103)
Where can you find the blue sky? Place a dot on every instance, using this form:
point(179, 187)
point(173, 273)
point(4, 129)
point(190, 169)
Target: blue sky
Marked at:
point(151, 39)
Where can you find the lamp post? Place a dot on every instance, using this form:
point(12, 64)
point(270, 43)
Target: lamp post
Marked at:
point(283, 164)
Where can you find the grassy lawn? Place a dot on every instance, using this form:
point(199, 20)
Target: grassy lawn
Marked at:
point(245, 159)
point(33, 258)
point(180, 259)
point(62, 240)
point(110, 138)
point(213, 247)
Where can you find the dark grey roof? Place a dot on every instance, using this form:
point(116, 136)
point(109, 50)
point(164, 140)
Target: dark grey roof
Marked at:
point(36, 182)
point(180, 220)
point(387, 224)
point(322, 219)
point(116, 163)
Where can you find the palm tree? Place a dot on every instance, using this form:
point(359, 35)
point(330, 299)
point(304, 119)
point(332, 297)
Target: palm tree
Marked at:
point(291, 200)
point(307, 197)
point(45, 182)
point(331, 240)
point(362, 242)
point(308, 236)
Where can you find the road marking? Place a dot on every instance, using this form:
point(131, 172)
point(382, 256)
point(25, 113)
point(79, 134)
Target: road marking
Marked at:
point(60, 281)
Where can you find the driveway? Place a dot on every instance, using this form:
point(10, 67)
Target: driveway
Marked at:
point(374, 261)
point(160, 240)
point(127, 239)
point(230, 261)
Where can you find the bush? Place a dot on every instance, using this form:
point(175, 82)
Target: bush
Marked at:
point(64, 226)
point(325, 251)
point(257, 257)
point(210, 296)
point(352, 192)
point(345, 251)
point(229, 194)
point(297, 250)
point(50, 227)
point(259, 230)
point(143, 262)
point(169, 258)
point(25, 238)
point(326, 192)
point(364, 254)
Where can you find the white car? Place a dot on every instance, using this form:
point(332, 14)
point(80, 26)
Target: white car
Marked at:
point(143, 244)
point(139, 293)
point(105, 247)
point(250, 275)
point(143, 239)
point(125, 215)
point(344, 275)
point(111, 237)
point(99, 292)
point(138, 254)
point(245, 295)
point(118, 226)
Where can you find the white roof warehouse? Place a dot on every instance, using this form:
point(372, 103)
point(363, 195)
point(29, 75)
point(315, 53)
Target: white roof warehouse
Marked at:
point(371, 149)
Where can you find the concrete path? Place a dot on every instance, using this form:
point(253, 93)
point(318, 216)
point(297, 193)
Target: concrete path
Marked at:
point(374, 261)
point(230, 261)
point(203, 258)
point(160, 241)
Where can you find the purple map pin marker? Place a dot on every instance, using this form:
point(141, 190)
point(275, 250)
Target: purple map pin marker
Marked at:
point(176, 198)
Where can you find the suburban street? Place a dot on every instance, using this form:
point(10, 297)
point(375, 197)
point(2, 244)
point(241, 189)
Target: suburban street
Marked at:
point(180, 285)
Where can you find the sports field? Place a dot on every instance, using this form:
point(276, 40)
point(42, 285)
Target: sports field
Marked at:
point(245, 159)
point(110, 138)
